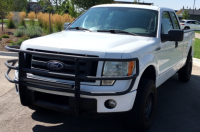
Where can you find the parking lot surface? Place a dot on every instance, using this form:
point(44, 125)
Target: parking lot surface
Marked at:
point(178, 111)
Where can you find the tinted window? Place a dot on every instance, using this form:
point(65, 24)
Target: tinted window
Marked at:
point(191, 22)
point(139, 21)
point(175, 20)
point(182, 21)
point(166, 23)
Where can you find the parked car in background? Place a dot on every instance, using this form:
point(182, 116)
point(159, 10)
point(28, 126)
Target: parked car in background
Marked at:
point(66, 25)
point(190, 24)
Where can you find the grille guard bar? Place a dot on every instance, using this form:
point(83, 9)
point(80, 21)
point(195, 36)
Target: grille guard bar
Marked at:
point(25, 67)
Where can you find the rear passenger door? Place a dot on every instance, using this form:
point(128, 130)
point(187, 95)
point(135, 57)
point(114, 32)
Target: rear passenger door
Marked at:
point(179, 46)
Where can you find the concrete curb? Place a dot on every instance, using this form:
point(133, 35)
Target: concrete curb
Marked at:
point(8, 54)
point(196, 62)
point(15, 55)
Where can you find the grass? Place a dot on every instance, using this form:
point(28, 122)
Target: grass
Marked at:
point(197, 49)
point(197, 31)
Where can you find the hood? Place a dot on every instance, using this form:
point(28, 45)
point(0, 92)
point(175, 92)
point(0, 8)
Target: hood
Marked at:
point(84, 42)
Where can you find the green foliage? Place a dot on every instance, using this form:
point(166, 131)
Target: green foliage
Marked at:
point(10, 24)
point(20, 31)
point(72, 9)
point(12, 43)
point(136, 1)
point(33, 32)
point(86, 4)
point(5, 36)
point(19, 5)
point(185, 14)
point(62, 8)
point(197, 48)
point(19, 42)
point(22, 23)
point(5, 8)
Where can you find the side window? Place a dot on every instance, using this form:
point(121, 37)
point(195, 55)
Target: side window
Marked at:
point(166, 22)
point(175, 20)
point(193, 22)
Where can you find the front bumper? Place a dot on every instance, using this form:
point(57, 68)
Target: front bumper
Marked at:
point(125, 98)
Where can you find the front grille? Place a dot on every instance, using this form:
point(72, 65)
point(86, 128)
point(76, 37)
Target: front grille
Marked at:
point(87, 68)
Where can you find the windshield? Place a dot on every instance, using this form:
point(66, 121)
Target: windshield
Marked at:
point(142, 22)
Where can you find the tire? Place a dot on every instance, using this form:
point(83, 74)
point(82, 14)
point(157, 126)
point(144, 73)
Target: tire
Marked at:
point(142, 114)
point(185, 72)
point(186, 28)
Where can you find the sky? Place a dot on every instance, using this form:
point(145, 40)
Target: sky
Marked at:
point(174, 4)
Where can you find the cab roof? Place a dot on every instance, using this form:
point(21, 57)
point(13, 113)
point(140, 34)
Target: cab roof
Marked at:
point(130, 6)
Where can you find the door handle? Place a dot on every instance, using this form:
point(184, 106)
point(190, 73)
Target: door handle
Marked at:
point(176, 44)
point(157, 49)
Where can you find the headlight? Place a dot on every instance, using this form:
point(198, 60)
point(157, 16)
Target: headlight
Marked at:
point(117, 69)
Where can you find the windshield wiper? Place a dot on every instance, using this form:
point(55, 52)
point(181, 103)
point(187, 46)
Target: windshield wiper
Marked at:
point(117, 31)
point(80, 28)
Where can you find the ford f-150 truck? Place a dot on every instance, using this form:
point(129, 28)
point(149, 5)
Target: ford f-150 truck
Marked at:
point(109, 60)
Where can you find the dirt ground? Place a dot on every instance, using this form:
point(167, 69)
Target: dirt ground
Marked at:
point(4, 40)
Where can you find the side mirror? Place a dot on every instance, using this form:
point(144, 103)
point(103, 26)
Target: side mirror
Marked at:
point(173, 35)
point(66, 25)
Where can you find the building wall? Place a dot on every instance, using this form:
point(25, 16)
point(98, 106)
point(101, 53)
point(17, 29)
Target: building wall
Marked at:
point(195, 17)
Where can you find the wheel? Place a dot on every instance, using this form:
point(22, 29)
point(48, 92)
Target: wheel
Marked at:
point(142, 114)
point(187, 28)
point(185, 72)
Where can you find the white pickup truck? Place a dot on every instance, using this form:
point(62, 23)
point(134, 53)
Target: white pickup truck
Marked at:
point(110, 60)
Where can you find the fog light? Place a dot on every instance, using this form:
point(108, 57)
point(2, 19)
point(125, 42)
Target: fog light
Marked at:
point(108, 82)
point(110, 104)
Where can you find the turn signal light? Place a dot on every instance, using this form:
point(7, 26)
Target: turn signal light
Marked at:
point(131, 67)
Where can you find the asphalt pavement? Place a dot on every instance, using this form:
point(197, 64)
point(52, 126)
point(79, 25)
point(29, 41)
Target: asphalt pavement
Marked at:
point(178, 111)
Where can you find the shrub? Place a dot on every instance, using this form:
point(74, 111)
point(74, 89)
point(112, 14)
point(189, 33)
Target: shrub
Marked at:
point(5, 36)
point(9, 41)
point(12, 43)
point(34, 31)
point(40, 19)
point(22, 16)
point(21, 27)
point(58, 21)
point(67, 18)
point(20, 31)
point(32, 16)
point(19, 42)
point(0, 38)
point(24, 38)
point(10, 23)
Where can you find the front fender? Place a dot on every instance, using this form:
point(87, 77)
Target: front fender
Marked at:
point(144, 62)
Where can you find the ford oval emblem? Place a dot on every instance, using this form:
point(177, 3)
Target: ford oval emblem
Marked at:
point(55, 65)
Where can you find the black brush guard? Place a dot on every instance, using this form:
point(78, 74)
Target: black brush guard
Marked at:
point(24, 67)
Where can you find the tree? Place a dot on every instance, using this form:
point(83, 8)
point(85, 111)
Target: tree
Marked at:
point(136, 1)
point(185, 14)
point(86, 4)
point(19, 5)
point(72, 9)
point(5, 8)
